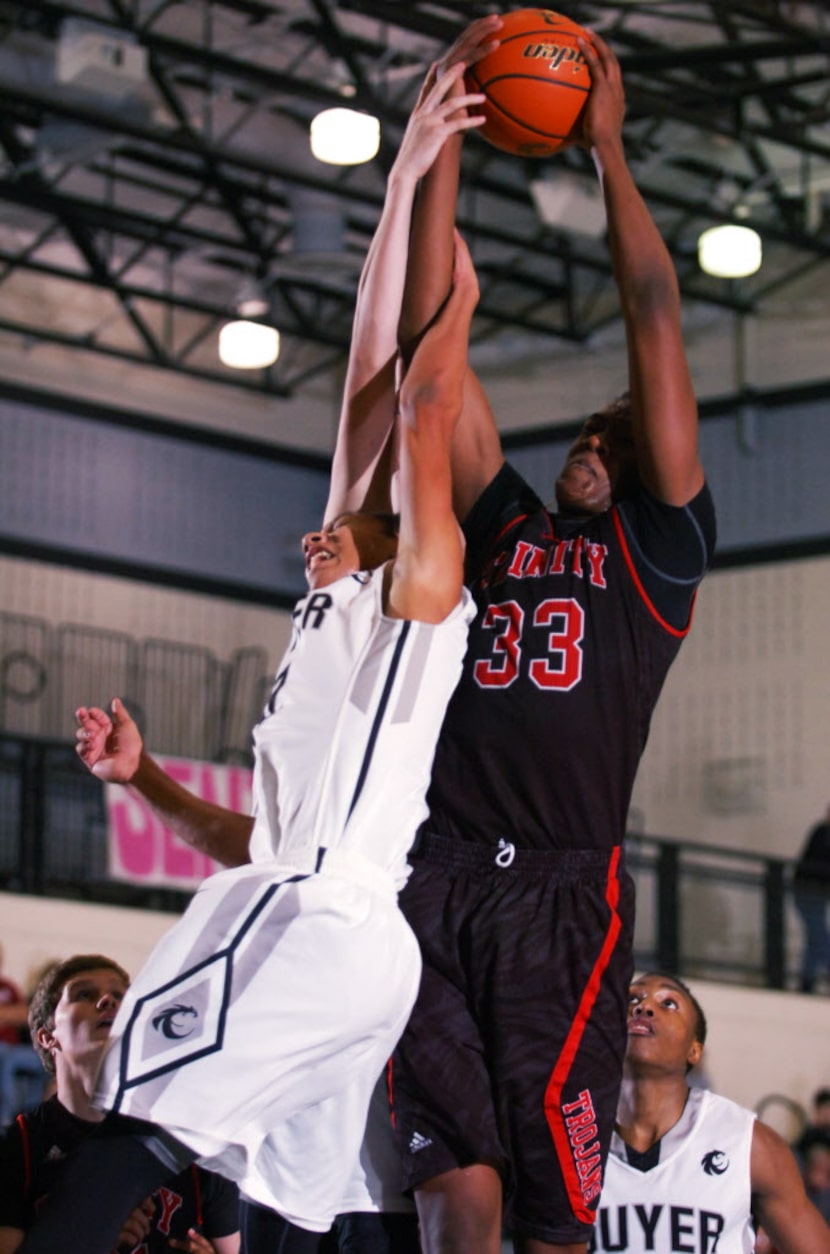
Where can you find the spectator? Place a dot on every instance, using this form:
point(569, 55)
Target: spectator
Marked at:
point(13, 1010)
point(71, 1015)
point(811, 892)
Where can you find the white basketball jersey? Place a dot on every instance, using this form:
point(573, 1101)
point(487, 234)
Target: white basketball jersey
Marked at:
point(698, 1196)
point(344, 752)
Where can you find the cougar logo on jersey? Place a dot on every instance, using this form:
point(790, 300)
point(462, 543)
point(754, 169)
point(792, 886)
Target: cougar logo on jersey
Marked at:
point(715, 1163)
point(171, 1022)
point(178, 1021)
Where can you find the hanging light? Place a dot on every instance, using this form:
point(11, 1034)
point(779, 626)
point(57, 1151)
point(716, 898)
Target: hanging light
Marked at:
point(247, 345)
point(344, 137)
point(729, 252)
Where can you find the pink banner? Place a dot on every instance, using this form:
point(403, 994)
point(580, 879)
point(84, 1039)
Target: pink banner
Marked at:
point(144, 851)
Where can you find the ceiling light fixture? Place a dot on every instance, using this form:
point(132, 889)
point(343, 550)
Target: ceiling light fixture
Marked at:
point(247, 345)
point(729, 252)
point(344, 137)
point(251, 299)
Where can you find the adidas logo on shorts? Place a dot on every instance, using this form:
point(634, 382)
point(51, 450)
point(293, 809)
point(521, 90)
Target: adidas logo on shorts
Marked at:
point(418, 1142)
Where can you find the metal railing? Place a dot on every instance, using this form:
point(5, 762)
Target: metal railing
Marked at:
point(702, 911)
point(202, 707)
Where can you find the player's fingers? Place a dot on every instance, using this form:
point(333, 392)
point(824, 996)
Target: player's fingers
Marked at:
point(443, 85)
point(481, 51)
point(462, 102)
point(598, 53)
point(195, 1243)
point(98, 718)
point(479, 39)
point(589, 51)
point(482, 30)
point(464, 123)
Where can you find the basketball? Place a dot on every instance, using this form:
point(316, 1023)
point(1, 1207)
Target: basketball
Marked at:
point(535, 83)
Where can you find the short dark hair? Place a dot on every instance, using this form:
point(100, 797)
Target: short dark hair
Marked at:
point(618, 410)
point(48, 993)
point(391, 522)
point(813, 1138)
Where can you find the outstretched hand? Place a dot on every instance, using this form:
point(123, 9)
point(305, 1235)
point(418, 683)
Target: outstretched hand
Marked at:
point(439, 113)
point(602, 118)
point(110, 746)
point(475, 41)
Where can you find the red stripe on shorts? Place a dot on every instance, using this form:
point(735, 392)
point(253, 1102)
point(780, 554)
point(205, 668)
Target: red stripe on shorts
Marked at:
point(390, 1092)
point(553, 1093)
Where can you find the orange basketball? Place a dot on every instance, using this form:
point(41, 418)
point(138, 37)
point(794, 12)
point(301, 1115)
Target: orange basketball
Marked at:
point(536, 83)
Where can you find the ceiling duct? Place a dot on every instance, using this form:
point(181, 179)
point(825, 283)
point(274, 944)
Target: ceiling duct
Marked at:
point(99, 60)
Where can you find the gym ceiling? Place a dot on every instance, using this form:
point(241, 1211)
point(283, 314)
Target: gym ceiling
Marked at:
point(143, 196)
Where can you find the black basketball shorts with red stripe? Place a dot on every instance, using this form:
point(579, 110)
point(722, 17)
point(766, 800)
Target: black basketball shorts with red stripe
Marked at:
point(513, 1054)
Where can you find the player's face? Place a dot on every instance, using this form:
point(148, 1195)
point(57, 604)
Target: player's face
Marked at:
point(599, 466)
point(85, 1013)
point(662, 1024)
point(350, 543)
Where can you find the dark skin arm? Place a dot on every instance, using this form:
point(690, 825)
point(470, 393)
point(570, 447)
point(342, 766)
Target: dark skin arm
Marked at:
point(663, 406)
point(779, 1200)
point(664, 411)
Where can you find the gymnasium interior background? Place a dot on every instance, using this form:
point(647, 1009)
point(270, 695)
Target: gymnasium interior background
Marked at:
point(148, 491)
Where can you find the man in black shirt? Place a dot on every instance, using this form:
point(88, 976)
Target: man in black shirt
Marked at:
point(70, 1018)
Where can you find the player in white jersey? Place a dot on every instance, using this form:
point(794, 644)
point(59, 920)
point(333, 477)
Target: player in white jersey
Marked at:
point(689, 1170)
point(254, 1035)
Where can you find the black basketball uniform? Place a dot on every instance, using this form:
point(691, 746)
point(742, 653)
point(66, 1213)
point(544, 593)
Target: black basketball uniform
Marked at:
point(32, 1154)
point(519, 895)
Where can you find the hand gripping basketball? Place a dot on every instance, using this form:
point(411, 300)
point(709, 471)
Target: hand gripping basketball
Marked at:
point(536, 83)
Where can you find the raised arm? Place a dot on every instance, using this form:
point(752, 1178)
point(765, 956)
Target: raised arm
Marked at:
point(476, 449)
point(427, 573)
point(361, 464)
point(780, 1202)
point(110, 746)
point(664, 410)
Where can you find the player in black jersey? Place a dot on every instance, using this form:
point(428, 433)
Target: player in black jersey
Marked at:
point(70, 1017)
point(505, 1083)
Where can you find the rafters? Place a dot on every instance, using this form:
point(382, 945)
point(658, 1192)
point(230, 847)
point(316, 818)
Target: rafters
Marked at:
point(191, 183)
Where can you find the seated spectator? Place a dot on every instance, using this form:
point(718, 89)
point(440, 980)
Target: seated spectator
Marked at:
point(814, 1154)
point(689, 1170)
point(13, 1010)
point(819, 1117)
point(70, 1018)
